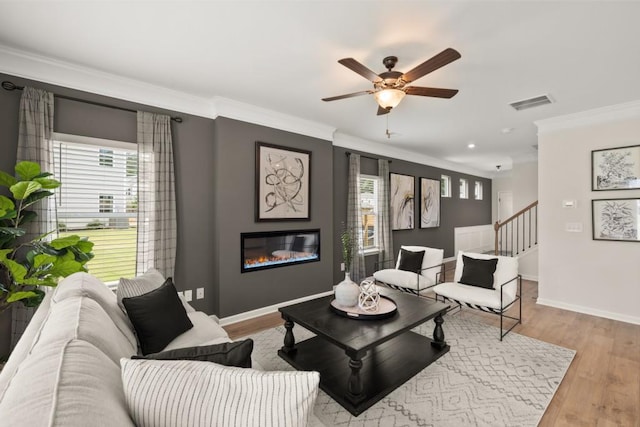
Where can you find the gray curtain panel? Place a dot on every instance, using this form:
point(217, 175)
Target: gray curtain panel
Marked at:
point(385, 242)
point(157, 230)
point(354, 218)
point(35, 145)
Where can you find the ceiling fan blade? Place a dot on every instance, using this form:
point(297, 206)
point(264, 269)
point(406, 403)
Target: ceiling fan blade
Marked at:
point(357, 67)
point(430, 91)
point(440, 60)
point(383, 111)
point(348, 95)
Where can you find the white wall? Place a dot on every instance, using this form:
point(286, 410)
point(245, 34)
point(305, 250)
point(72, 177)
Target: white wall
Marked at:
point(576, 272)
point(521, 180)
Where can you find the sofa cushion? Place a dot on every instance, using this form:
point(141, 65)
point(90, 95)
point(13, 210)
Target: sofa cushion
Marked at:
point(405, 279)
point(474, 295)
point(478, 272)
point(71, 384)
point(158, 317)
point(205, 331)
point(432, 258)
point(237, 353)
point(86, 285)
point(193, 393)
point(140, 285)
point(506, 269)
point(84, 319)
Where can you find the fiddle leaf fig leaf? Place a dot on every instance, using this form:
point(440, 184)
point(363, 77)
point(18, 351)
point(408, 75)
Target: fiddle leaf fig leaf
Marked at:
point(20, 295)
point(64, 268)
point(34, 197)
point(17, 232)
point(85, 246)
point(27, 170)
point(47, 183)
point(43, 259)
point(65, 242)
point(6, 204)
point(17, 270)
point(7, 180)
point(24, 189)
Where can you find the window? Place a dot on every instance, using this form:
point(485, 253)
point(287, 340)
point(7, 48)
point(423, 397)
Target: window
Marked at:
point(369, 207)
point(106, 157)
point(445, 186)
point(99, 202)
point(105, 204)
point(478, 190)
point(464, 188)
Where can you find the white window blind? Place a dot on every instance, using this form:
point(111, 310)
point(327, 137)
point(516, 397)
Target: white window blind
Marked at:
point(99, 202)
point(369, 207)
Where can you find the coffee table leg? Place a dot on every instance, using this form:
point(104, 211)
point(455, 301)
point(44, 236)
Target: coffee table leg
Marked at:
point(438, 334)
point(289, 339)
point(354, 387)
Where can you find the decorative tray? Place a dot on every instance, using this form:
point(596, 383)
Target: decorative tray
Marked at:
point(386, 308)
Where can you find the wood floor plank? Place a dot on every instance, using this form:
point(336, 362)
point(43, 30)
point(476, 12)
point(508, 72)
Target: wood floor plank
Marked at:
point(602, 385)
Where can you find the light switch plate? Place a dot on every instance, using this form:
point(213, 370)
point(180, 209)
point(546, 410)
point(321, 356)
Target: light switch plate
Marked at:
point(573, 227)
point(200, 293)
point(188, 295)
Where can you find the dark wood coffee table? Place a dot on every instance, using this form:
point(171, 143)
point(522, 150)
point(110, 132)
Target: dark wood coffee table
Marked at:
point(361, 361)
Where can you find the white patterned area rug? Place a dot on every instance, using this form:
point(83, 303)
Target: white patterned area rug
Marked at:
point(479, 382)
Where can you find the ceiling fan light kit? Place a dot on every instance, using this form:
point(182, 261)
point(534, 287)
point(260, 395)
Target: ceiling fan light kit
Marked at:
point(390, 87)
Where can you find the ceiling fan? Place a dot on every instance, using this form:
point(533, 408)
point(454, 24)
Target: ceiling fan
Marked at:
point(390, 86)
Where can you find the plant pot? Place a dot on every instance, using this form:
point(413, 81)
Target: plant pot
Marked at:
point(347, 292)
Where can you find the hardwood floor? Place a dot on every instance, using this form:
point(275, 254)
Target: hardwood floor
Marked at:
point(601, 387)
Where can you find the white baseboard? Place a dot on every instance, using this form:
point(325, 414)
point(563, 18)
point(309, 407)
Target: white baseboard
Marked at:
point(529, 277)
point(451, 258)
point(591, 311)
point(266, 310)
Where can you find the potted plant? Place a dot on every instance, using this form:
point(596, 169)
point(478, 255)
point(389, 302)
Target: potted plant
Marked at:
point(26, 265)
point(346, 292)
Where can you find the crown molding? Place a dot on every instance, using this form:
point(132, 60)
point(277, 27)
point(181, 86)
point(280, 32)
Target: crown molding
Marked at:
point(242, 111)
point(595, 116)
point(355, 143)
point(59, 73)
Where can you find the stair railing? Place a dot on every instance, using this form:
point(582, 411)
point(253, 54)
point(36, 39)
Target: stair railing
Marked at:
point(517, 233)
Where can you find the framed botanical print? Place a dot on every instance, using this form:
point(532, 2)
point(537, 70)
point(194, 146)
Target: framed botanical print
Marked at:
point(616, 219)
point(429, 203)
point(615, 168)
point(283, 190)
point(401, 201)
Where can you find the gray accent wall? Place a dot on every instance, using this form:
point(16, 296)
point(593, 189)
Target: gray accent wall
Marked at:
point(454, 212)
point(235, 214)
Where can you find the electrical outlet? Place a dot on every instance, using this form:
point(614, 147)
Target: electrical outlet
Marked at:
point(342, 266)
point(200, 293)
point(188, 296)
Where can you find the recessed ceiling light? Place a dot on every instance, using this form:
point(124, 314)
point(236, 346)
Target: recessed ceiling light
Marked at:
point(507, 130)
point(471, 145)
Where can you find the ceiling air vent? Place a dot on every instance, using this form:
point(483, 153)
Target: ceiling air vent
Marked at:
point(531, 102)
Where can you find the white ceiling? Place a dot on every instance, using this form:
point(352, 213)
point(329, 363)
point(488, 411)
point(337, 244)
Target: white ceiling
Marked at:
point(283, 56)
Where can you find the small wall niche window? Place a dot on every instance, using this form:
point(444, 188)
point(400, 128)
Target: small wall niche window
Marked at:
point(99, 202)
point(369, 186)
point(477, 192)
point(106, 157)
point(464, 188)
point(445, 186)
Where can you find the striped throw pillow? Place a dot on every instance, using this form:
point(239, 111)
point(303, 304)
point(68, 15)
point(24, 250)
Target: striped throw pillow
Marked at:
point(195, 393)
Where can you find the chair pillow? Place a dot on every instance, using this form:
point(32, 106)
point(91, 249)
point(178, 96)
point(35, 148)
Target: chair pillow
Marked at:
point(193, 393)
point(236, 354)
point(410, 261)
point(478, 272)
point(158, 317)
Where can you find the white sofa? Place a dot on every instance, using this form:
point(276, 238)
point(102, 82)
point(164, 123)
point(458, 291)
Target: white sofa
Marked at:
point(65, 370)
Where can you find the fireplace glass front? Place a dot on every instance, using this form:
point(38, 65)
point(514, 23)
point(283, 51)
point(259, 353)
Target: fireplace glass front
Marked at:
point(273, 249)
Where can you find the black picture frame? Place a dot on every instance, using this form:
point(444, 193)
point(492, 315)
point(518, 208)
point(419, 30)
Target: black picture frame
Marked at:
point(429, 203)
point(616, 220)
point(283, 183)
point(402, 201)
point(615, 168)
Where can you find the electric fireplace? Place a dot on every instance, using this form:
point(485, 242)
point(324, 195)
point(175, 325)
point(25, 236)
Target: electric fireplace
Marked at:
point(271, 249)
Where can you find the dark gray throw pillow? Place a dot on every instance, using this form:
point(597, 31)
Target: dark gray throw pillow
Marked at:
point(410, 261)
point(158, 317)
point(229, 354)
point(478, 272)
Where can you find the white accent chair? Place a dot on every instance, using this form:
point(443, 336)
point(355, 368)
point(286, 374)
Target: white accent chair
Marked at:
point(419, 282)
point(505, 293)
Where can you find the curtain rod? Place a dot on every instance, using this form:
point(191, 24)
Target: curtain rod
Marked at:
point(6, 85)
point(367, 157)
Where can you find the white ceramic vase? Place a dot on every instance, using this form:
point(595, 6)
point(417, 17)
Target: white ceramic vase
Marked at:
point(347, 292)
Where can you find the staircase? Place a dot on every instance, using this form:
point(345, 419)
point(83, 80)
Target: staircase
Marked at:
point(518, 233)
